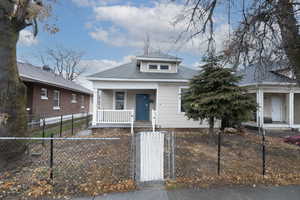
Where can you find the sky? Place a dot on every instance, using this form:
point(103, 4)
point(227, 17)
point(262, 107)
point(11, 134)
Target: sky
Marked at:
point(112, 32)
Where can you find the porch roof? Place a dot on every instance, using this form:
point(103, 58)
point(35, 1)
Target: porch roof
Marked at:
point(131, 71)
point(256, 74)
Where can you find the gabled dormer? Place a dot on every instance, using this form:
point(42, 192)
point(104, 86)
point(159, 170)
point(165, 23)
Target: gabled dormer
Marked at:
point(158, 62)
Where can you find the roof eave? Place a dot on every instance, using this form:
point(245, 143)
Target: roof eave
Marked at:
point(267, 84)
point(34, 80)
point(138, 80)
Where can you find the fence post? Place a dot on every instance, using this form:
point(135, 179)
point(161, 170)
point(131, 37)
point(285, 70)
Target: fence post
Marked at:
point(219, 152)
point(61, 124)
point(44, 123)
point(51, 158)
point(263, 153)
point(72, 124)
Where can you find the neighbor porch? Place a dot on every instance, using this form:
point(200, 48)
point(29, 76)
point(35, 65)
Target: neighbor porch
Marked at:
point(278, 108)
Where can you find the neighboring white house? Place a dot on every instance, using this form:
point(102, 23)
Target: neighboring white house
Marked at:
point(277, 95)
point(143, 93)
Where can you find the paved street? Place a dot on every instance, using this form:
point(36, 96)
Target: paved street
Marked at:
point(232, 193)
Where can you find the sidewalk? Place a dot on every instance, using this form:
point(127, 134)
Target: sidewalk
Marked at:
point(228, 193)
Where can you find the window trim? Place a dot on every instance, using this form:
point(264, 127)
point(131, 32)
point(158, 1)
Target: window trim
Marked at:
point(42, 96)
point(54, 106)
point(159, 67)
point(72, 99)
point(125, 99)
point(179, 98)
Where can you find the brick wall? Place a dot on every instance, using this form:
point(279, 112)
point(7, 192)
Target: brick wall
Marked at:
point(45, 107)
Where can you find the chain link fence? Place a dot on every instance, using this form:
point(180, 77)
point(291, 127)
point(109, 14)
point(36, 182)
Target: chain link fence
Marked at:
point(66, 166)
point(246, 157)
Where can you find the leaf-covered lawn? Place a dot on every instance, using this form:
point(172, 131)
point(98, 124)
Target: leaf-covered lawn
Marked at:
point(241, 161)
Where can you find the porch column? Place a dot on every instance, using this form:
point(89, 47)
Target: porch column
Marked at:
point(291, 109)
point(95, 97)
point(260, 110)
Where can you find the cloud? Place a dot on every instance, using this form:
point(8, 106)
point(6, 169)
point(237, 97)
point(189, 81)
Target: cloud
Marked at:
point(129, 26)
point(94, 66)
point(27, 39)
point(92, 3)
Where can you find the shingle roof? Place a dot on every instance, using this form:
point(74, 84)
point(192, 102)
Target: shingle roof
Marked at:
point(32, 73)
point(159, 54)
point(131, 71)
point(255, 74)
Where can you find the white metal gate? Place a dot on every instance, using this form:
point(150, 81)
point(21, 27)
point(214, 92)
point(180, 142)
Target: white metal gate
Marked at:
point(151, 156)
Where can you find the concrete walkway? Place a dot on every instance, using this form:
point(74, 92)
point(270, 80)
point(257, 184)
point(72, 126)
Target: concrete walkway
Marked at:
point(228, 193)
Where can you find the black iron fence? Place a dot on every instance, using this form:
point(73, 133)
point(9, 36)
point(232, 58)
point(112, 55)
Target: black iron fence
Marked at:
point(240, 157)
point(62, 125)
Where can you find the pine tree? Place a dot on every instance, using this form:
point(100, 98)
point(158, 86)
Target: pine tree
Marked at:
point(214, 94)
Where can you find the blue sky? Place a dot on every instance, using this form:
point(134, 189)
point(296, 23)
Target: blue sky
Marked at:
point(110, 32)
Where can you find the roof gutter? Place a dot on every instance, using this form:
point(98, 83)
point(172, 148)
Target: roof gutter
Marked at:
point(267, 83)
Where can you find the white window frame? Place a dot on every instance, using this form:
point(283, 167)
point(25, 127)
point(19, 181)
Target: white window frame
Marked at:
point(158, 67)
point(56, 107)
point(179, 98)
point(164, 65)
point(125, 99)
point(82, 101)
point(74, 100)
point(44, 97)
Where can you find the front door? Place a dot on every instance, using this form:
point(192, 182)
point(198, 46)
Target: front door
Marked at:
point(142, 107)
point(276, 109)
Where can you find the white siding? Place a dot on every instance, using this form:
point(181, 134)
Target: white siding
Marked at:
point(168, 114)
point(107, 99)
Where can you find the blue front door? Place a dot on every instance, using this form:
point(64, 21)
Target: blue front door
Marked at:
point(142, 107)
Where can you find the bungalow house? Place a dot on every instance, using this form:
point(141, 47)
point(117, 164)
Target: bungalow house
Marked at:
point(143, 93)
point(50, 95)
point(277, 95)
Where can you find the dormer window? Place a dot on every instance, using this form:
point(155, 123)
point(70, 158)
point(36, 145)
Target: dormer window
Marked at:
point(164, 67)
point(153, 67)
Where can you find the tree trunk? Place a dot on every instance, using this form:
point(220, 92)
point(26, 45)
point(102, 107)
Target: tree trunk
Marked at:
point(211, 131)
point(290, 34)
point(12, 92)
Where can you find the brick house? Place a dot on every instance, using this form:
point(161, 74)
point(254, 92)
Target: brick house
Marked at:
point(50, 95)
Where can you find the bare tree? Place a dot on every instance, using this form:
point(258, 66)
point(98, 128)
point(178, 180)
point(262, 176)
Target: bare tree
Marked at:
point(265, 30)
point(65, 62)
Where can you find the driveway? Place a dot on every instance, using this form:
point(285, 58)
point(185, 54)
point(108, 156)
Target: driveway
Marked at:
point(228, 193)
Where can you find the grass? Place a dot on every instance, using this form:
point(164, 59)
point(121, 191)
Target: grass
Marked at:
point(55, 128)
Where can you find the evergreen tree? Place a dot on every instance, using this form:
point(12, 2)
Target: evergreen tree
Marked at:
point(214, 94)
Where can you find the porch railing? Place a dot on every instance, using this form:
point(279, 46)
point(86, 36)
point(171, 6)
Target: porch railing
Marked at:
point(116, 117)
point(154, 119)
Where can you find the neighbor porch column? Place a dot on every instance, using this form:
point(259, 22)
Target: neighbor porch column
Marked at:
point(95, 107)
point(260, 110)
point(291, 109)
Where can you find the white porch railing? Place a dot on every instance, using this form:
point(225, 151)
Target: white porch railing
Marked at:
point(154, 119)
point(116, 117)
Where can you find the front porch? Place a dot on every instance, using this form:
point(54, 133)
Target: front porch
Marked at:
point(125, 108)
point(278, 108)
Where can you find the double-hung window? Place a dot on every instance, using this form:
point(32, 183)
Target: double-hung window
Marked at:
point(74, 98)
point(56, 100)
point(44, 93)
point(120, 101)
